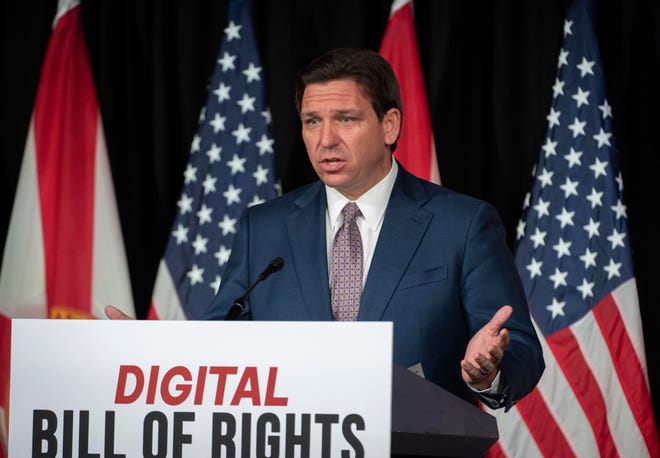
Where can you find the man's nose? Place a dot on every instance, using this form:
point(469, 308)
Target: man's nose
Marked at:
point(329, 137)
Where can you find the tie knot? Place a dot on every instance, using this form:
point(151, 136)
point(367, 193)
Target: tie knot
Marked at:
point(350, 212)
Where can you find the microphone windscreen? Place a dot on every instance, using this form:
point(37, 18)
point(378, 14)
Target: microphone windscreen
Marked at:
point(276, 264)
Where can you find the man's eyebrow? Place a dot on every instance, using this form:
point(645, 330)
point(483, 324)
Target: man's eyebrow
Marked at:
point(308, 113)
point(339, 112)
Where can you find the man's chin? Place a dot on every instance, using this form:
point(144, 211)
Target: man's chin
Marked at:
point(334, 180)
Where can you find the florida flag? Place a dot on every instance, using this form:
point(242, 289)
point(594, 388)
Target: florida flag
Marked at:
point(416, 147)
point(64, 255)
point(574, 258)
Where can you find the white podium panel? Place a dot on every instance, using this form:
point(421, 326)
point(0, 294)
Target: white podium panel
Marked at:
point(199, 388)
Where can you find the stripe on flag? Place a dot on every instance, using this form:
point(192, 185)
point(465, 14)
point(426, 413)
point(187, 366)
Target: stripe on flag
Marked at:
point(231, 167)
point(64, 254)
point(416, 147)
point(574, 259)
point(5, 342)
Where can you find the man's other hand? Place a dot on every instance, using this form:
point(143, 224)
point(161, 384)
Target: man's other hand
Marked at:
point(114, 313)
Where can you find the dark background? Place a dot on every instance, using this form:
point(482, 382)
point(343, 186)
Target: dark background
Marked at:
point(488, 66)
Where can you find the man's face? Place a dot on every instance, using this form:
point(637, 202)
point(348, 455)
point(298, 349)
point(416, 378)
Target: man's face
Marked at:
point(347, 145)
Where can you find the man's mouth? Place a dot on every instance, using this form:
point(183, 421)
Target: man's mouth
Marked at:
point(331, 164)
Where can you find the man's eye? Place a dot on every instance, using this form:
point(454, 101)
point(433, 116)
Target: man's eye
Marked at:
point(311, 122)
point(345, 119)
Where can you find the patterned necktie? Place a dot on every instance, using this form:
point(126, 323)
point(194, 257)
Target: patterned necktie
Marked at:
point(346, 285)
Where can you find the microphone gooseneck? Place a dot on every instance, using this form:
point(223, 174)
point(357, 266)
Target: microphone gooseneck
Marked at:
point(237, 307)
point(273, 266)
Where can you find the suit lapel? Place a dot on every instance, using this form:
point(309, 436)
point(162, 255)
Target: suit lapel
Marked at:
point(306, 229)
point(403, 229)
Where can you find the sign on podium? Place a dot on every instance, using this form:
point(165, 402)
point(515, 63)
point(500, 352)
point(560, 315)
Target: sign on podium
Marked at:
point(199, 388)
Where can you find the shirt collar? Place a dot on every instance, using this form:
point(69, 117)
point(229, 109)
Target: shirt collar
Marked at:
point(372, 203)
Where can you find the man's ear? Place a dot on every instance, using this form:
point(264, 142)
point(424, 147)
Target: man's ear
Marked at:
point(391, 125)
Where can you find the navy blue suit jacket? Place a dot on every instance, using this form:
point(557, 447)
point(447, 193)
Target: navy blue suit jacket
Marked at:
point(440, 270)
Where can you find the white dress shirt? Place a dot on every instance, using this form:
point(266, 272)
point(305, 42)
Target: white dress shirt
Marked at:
point(372, 205)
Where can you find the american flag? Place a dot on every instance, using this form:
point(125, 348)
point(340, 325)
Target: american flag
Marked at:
point(231, 167)
point(573, 254)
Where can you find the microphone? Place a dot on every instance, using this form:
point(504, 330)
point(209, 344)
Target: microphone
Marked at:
point(237, 307)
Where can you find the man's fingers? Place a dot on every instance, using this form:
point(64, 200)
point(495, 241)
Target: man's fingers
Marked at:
point(471, 370)
point(496, 353)
point(476, 374)
point(504, 336)
point(501, 316)
point(483, 365)
point(114, 313)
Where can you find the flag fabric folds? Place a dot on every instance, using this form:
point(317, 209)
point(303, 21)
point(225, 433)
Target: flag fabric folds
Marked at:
point(64, 254)
point(573, 254)
point(416, 147)
point(231, 167)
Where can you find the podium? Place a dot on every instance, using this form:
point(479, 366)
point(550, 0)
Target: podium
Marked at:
point(429, 421)
point(199, 388)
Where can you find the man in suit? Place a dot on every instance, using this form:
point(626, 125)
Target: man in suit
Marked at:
point(433, 262)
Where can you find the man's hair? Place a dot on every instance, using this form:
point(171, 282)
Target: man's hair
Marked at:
point(368, 69)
